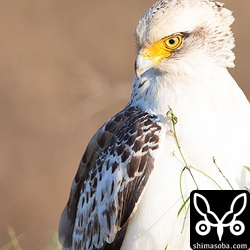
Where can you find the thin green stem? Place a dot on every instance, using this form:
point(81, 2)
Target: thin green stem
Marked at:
point(174, 120)
point(182, 195)
point(185, 217)
point(196, 169)
point(215, 163)
point(178, 145)
point(15, 240)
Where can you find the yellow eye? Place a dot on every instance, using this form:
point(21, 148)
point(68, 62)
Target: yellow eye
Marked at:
point(162, 48)
point(173, 42)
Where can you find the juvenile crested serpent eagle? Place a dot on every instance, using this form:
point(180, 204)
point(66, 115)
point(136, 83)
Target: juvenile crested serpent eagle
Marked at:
point(185, 111)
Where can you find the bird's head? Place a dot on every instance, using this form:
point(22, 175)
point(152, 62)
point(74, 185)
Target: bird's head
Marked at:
point(176, 34)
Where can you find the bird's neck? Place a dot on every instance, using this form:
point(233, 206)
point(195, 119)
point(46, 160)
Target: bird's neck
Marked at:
point(212, 88)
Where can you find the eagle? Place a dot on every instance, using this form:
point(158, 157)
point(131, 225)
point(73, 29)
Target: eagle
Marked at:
point(185, 127)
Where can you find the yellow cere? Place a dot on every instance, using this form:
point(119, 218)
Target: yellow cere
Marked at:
point(162, 48)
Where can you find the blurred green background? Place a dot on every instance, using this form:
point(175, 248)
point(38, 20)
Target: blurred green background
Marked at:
point(66, 67)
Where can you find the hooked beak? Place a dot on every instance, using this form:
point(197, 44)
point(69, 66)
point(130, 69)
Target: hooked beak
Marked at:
point(142, 65)
point(149, 58)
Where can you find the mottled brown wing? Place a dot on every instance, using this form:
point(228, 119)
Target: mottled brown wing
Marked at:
point(95, 146)
point(110, 178)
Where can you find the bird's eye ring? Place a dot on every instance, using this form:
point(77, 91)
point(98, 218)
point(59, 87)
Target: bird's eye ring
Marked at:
point(173, 42)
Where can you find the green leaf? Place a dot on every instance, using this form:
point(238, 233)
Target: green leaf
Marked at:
point(247, 168)
point(183, 205)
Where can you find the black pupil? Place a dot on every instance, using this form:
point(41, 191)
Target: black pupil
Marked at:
point(171, 41)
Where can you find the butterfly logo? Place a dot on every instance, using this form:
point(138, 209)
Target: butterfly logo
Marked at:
point(229, 219)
